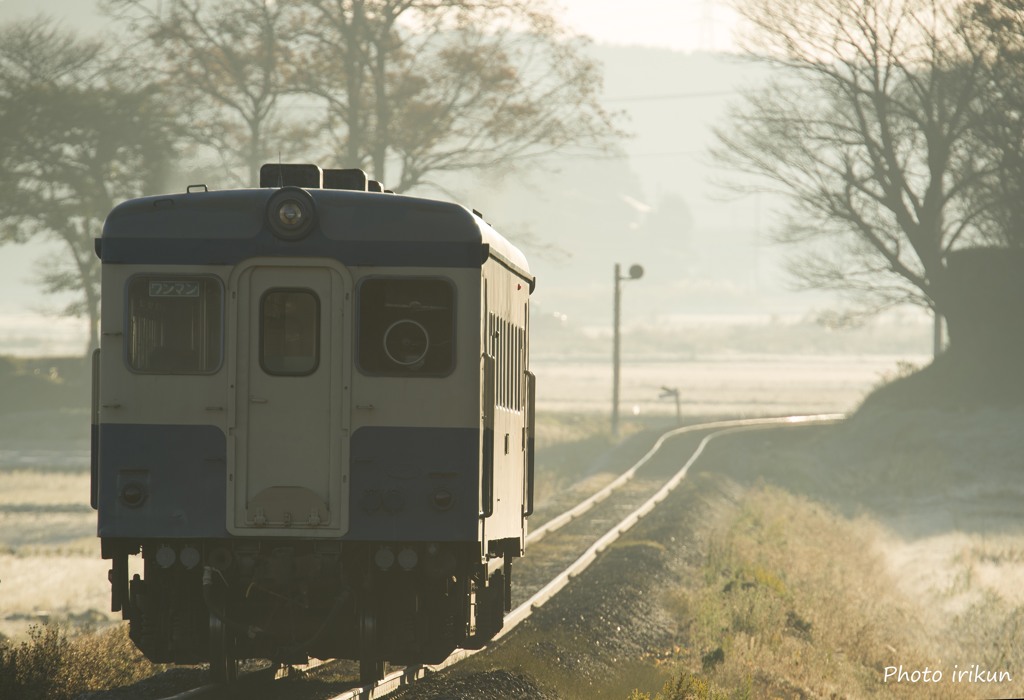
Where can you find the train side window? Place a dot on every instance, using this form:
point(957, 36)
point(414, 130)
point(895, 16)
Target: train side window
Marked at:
point(407, 326)
point(289, 332)
point(174, 324)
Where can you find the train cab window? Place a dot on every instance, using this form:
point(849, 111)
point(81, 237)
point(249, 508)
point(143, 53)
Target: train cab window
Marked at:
point(289, 332)
point(407, 327)
point(174, 324)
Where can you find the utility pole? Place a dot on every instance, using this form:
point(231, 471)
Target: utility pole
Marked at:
point(937, 335)
point(635, 273)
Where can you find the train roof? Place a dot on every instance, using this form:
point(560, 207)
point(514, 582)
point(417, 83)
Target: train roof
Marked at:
point(358, 228)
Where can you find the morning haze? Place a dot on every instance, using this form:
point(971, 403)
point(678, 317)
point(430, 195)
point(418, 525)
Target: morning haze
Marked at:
point(814, 243)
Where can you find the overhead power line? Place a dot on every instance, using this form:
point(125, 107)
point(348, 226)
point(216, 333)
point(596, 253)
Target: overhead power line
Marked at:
point(627, 156)
point(674, 96)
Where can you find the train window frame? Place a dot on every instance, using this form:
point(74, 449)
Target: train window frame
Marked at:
point(262, 331)
point(398, 373)
point(130, 352)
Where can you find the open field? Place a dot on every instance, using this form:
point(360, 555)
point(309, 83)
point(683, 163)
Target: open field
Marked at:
point(737, 385)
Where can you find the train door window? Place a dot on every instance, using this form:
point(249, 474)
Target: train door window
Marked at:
point(174, 324)
point(289, 332)
point(407, 327)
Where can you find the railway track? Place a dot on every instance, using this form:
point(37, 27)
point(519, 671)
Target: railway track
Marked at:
point(565, 545)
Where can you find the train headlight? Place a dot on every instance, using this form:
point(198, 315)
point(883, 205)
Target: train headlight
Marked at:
point(133, 494)
point(407, 559)
point(189, 557)
point(442, 499)
point(384, 558)
point(165, 557)
point(291, 213)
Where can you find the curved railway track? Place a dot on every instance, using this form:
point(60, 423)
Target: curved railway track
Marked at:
point(567, 544)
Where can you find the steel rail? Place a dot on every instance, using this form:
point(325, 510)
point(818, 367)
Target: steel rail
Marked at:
point(411, 674)
point(216, 690)
point(585, 505)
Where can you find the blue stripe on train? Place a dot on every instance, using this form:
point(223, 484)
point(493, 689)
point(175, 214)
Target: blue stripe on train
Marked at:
point(183, 470)
point(395, 475)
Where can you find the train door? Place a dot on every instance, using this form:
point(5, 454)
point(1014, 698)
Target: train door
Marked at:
point(288, 442)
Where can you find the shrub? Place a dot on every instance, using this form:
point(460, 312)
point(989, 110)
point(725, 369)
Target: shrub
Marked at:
point(685, 686)
point(49, 666)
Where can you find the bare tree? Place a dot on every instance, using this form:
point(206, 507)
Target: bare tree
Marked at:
point(867, 130)
point(998, 26)
point(229, 69)
point(401, 88)
point(77, 135)
point(413, 88)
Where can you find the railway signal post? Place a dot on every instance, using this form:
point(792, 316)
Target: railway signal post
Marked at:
point(635, 273)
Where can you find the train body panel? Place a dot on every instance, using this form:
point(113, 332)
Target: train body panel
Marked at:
point(505, 352)
point(320, 430)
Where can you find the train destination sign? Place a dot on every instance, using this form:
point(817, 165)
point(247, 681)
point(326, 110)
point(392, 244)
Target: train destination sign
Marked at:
point(177, 288)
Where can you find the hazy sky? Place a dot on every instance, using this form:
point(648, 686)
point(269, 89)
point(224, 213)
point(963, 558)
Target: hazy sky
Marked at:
point(683, 25)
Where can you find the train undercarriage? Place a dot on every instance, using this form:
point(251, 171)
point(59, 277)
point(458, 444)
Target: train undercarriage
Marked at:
point(288, 600)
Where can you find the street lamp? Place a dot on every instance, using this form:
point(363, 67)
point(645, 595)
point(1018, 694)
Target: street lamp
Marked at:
point(635, 273)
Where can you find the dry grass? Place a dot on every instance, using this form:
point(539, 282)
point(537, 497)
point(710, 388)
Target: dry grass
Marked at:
point(44, 488)
point(58, 583)
point(686, 686)
point(51, 666)
point(50, 565)
point(794, 600)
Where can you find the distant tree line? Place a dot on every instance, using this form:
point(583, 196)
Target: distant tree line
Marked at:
point(405, 89)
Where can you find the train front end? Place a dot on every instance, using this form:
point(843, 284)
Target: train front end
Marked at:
point(313, 423)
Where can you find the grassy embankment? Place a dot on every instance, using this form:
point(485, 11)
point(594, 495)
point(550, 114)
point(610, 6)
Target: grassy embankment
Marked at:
point(891, 543)
point(795, 600)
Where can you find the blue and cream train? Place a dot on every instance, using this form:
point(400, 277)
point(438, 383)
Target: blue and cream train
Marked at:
point(313, 419)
